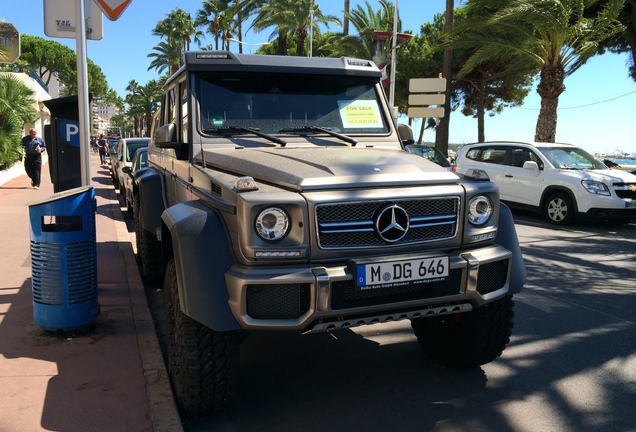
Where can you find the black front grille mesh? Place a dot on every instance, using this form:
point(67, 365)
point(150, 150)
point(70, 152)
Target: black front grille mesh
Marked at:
point(492, 276)
point(274, 301)
point(352, 224)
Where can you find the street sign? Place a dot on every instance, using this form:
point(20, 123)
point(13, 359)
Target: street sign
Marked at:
point(10, 41)
point(427, 99)
point(425, 112)
point(59, 19)
point(425, 92)
point(427, 85)
point(113, 8)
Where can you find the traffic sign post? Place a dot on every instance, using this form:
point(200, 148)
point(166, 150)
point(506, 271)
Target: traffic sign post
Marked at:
point(113, 8)
point(10, 41)
point(60, 19)
point(425, 92)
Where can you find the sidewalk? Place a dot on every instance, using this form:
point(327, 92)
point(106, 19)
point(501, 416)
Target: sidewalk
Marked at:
point(111, 378)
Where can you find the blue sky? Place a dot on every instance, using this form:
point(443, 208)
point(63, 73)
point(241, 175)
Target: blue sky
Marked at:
point(596, 111)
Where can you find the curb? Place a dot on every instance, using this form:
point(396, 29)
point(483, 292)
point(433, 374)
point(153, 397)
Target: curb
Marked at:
point(164, 415)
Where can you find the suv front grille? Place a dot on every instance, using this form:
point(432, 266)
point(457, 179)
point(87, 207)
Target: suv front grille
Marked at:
point(353, 224)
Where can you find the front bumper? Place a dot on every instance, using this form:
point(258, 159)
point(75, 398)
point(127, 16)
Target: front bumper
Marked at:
point(320, 298)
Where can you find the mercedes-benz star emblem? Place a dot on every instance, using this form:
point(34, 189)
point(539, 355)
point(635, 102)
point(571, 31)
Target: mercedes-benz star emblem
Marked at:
point(392, 223)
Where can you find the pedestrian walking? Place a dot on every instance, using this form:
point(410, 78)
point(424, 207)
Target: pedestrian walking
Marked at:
point(102, 145)
point(33, 149)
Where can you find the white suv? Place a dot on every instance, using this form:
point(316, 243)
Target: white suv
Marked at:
point(561, 180)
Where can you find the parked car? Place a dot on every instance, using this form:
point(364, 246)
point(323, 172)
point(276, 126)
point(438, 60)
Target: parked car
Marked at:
point(562, 181)
point(431, 153)
point(125, 151)
point(113, 144)
point(140, 160)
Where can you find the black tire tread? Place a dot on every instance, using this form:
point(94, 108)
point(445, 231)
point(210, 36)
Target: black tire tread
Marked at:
point(148, 249)
point(469, 339)
point(202, 364)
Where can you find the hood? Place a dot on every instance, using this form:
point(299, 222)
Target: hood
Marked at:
point(608, 176)
point(324, 168)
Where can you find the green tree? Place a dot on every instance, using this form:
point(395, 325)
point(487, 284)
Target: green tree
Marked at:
point(217, 17)
point(366, 21)
point(49, 58)
point(491, 86)
point(292, 16)
point(552, 36)
point(16, 107)
point(180, 30)
point(144, 102)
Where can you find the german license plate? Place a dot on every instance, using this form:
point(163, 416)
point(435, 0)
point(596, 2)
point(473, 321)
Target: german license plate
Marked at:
point(630, 204)
point(398, 273)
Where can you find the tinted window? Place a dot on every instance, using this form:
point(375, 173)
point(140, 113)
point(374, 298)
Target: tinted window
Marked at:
point(272, 102)
point(488, 154)
point(520, 155)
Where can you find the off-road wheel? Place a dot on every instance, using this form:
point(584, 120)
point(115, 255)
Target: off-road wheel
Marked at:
point(148, 248)
point(467, 339)
point(202, 364)
point(559, 209)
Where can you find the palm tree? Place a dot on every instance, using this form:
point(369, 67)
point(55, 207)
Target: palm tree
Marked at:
point(179, 30)
point(215, 16)
point(553, 36)
point(293, 16)
point(366, 21)
point(145, 102)
point(167, 55)
point(16, 108)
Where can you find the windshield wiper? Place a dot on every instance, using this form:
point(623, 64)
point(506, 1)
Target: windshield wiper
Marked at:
point(306, 130)
point(238, 130)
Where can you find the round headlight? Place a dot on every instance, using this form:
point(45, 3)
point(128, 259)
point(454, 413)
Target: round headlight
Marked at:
point(479, 210)
point(272, 224)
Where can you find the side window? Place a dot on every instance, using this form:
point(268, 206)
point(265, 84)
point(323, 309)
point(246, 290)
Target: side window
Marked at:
point(184, 111)
point(172, 106)
point(487, 154)
point(521, 155)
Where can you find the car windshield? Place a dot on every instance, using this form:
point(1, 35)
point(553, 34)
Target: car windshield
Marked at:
point(571, 158)
point(430, 153)
point(279, 103)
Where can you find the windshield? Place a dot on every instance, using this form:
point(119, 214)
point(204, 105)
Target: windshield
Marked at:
point(571, 158)
point(273, 102)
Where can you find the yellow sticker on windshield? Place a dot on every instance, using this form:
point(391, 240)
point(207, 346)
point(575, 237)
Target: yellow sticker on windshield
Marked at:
point(360, 114)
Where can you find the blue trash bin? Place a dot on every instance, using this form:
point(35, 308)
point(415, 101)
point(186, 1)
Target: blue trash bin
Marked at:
point(64, 259)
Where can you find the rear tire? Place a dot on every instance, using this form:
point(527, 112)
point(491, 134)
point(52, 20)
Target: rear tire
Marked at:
point(559, 209)
point(148, 248)
point(467, 339)
point(203, 364)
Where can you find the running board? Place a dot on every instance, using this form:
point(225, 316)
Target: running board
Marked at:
point(341, 323)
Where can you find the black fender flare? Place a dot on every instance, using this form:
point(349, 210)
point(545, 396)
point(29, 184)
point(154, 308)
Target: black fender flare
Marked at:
point(151, 199)
point(202, 255)
point(507, 237)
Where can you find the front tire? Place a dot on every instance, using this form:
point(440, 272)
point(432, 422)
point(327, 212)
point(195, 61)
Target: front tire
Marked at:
point(559, 209)
point(202, 364)
point(467, 339)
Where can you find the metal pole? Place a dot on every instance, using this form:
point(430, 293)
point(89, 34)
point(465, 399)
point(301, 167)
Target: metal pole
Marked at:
point(393, 57)
point(311, 30)
point(82, 93)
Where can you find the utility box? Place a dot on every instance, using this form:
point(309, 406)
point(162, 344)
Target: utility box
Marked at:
point(64, 260)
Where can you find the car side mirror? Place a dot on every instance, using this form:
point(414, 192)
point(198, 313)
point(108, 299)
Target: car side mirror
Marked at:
point(531, 166)
point(126, 169)
point(165, 135)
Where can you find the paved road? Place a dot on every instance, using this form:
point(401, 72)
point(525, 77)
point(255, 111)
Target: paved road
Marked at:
point(570, 366)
